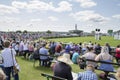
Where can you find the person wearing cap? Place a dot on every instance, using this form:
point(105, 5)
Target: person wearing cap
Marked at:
point(89, 74)
point(62, 67)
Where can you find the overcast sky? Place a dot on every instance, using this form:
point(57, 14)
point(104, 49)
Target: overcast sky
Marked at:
point(59, 15)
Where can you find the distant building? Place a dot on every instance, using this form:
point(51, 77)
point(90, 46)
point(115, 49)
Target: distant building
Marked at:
point(76, 32)
point(117, 35)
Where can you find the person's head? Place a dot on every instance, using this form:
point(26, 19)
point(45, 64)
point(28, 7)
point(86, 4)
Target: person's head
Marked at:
point(65, 58)
point(90, 48)
point(43, 45)
point(90, 67)
point(6, 44)
point(107, 44)
point(118, 46)
point(2, 75)
point(105, 49)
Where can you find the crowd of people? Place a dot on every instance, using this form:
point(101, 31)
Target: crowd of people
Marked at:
point(65, 55)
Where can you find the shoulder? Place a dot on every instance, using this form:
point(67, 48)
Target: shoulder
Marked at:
point(80, 74)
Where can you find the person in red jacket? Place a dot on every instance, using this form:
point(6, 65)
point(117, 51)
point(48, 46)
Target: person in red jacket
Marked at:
point(117, 54)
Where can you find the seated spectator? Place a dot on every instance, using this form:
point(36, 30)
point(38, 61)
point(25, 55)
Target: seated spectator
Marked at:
point(75, 57)
point(90, 55)
point(84, 48)
point(45, 59)
point(62, 67)
point(97, 49)
point(67, 48)
point(2, 75)
point(105, 56)
point(58, 49)
point(89, 74)
point(109, 48)
point(117, 55)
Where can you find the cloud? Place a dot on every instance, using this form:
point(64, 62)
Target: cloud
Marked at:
point(116, 16)
point(4, 9)
point(18, 4)
point(63, 6)
point(52, 18)
point(42, 6)
point(88, 16)
point(86, 3)
point(35, 20)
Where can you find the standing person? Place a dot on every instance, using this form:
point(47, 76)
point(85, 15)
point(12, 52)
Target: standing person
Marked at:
point(30, 48)
point(89, 74)
point(8, 55)
point(17, 48)
point(62, 68)
point(25, 49)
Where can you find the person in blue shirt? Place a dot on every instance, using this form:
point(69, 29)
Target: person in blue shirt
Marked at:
point(44, 59)
point(67, 48)
point(75, 57)
point(89, 74)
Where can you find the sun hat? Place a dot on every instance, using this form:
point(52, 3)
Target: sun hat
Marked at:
point(65, 58)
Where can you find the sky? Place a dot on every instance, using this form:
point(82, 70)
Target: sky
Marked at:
point(59, 15)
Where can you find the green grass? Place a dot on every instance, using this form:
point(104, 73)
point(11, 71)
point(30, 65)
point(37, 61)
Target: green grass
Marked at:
point(103, 40)
point(28, 72)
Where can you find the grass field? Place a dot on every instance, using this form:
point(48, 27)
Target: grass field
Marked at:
point(103, 40)
point(28, 72)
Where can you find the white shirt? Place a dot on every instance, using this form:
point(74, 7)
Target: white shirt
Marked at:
point(7, 57)
point(16, 47)
point(25, 46)
point(90, 55)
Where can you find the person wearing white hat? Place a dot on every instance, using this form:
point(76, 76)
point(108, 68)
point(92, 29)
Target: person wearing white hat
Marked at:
point(62, 67)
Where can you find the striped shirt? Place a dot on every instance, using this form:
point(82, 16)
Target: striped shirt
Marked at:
point(7, 57)
point(87, 75)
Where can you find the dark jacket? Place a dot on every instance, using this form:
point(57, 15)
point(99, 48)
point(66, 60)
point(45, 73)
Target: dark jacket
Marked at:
point(63, 70)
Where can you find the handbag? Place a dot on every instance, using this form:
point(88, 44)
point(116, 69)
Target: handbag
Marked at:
point(16, 67)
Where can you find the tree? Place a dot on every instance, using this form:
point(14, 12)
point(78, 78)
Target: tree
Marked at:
point(25, 31)
point(48, 32)
point(18, 31)
point(93, 32)
point(110, 32)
